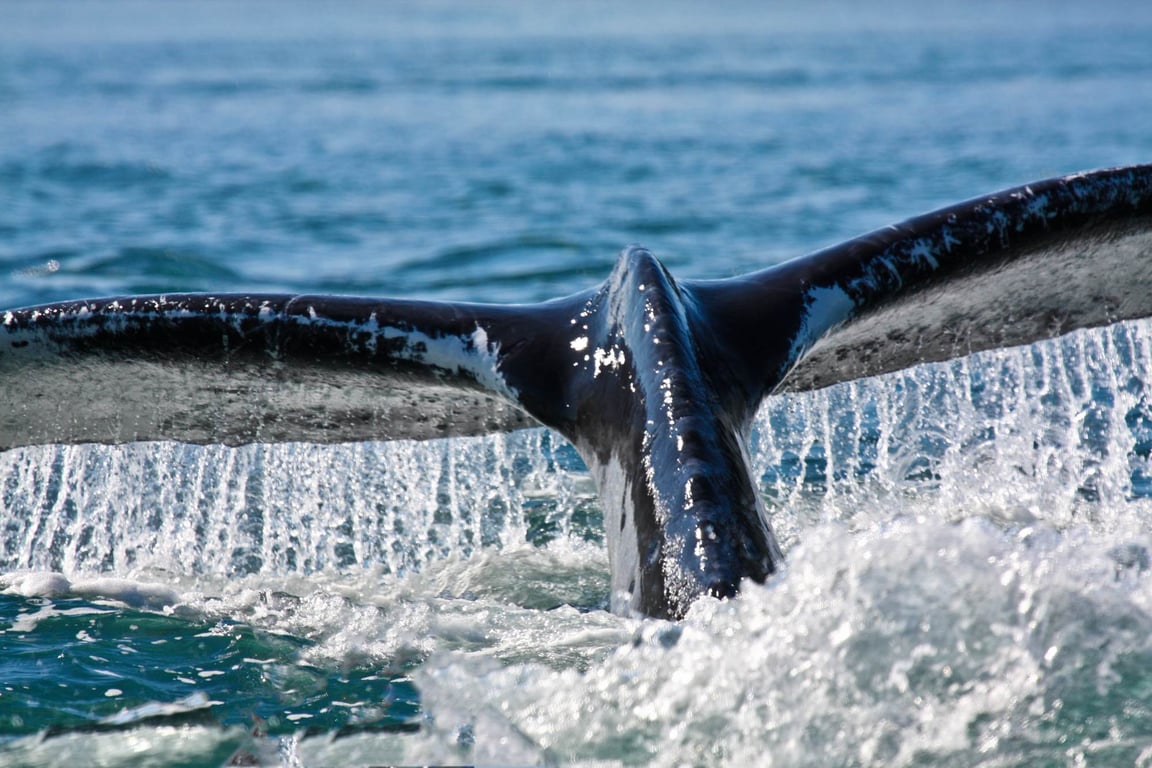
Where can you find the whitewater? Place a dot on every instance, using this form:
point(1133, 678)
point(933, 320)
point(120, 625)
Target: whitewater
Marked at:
point(967, 555)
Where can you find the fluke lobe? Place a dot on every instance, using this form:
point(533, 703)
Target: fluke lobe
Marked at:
point(655, 381)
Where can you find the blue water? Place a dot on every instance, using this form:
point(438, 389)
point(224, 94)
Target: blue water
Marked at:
point(444, 601)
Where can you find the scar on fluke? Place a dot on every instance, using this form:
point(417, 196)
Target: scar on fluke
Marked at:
point(655, 381)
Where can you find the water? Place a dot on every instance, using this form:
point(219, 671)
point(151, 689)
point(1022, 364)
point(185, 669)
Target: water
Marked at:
point(967, 546)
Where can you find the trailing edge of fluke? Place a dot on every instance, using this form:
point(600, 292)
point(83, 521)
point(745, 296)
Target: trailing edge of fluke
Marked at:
point(654, 381)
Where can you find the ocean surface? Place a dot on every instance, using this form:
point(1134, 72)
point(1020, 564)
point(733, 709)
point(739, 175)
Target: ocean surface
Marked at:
point(969, 544)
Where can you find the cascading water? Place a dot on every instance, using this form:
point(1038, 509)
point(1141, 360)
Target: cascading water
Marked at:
point(1057, 432)
point(967, 547)
point(1060, 431)
point(283, 509)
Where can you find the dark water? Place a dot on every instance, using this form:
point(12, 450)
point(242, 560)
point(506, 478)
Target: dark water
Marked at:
point(443, 602)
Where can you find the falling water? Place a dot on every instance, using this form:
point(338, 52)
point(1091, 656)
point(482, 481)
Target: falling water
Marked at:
point(278, 509)
point(1060, 431)
point(966, 555)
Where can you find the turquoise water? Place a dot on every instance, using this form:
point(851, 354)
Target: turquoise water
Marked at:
point(967, 543)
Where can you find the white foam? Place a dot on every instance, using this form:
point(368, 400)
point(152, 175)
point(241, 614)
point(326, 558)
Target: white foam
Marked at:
point(887, 647)
point(49, 584)
point(35, 584)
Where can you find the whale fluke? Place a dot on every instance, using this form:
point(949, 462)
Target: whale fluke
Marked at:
point(655, 381)
point(239, 368)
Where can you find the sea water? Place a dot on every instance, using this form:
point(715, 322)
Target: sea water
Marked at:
point(967, 542)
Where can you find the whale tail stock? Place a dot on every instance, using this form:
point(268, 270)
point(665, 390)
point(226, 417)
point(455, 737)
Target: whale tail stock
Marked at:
point(654, 381)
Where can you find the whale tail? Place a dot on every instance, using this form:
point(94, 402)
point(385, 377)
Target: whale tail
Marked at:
point(654, 381)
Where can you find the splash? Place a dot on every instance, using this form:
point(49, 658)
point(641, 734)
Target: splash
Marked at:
point(966, 584)
point(967, 578)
